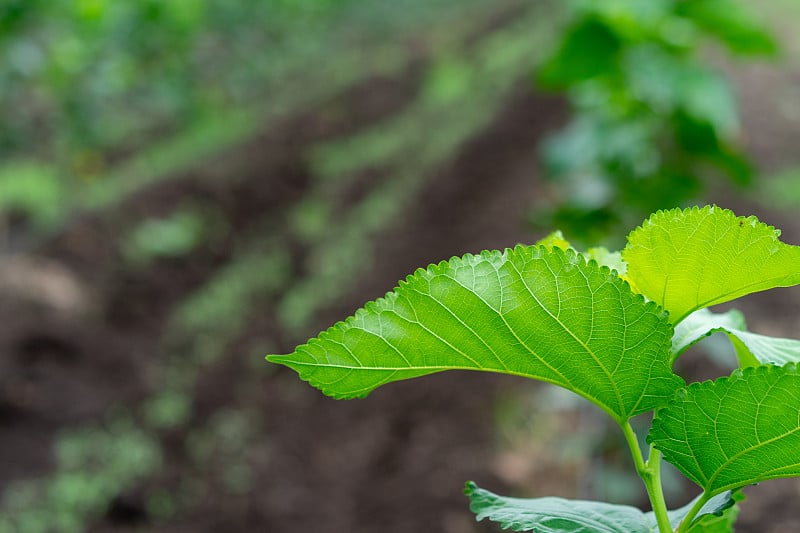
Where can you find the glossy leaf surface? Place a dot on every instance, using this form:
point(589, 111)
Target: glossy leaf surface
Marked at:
point(555, 515)
point(559, 515)
point(734, 431)
point(752, 348)
point(536, 312)
point(690, 259)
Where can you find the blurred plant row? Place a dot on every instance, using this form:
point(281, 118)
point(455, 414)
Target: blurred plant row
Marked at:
point(98, 75)
point(93, 88)
point(96, 92)
point(466, 78)
point(91, 80)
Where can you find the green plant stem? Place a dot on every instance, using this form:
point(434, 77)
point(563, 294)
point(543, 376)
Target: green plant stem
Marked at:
point(650, 472)
point(687, 520)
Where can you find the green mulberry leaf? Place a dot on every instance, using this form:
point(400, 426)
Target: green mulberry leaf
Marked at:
point(751, 348)
point(559, 515)
point(694, 258)
point(555, 515)
point(734, 431)
point(541, 313)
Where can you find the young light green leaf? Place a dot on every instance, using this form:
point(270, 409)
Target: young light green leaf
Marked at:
point(559, 515)
point(535, 312)
point(555, 515)
point(734, 431)
point(752, 348)
point(690, 259)
point(599, 254)
point(554, 240)
point(612, 260)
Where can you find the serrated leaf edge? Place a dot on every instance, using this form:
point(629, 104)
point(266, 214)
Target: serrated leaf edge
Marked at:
point(435, 269)
point(736, 375)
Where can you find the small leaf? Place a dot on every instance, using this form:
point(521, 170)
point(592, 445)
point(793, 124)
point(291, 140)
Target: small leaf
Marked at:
point(690, 259)
point(702, 323)
point(720, 522)
point(532, 312)
point(734, 431)
point(752, 348)
point(602, 256)
point(612, 260)
point(716, 516)
point(554, 240)
point(555, 515)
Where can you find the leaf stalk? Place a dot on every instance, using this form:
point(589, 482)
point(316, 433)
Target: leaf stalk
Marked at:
point(689, 518)
point(650, 472)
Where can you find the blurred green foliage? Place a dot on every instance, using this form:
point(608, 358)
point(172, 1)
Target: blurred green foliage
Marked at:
point(96, 75)
point(783, 189)
point(170, 237)
point(32, 191)
point(464, 86)
point(654, 121)
point(92, 465)
point(109, 96)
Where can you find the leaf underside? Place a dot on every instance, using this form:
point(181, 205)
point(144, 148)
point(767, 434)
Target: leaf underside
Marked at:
point(734, 431)
point(559, 515)
point(752, 348)
point(716, 516)
point(532, 311)
point(694, 258)
point(722, 521)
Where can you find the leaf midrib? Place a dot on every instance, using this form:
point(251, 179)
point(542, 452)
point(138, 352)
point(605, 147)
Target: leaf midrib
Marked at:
point(724, 297)
point(499, 313)
point(609, 377)
point(442, 368)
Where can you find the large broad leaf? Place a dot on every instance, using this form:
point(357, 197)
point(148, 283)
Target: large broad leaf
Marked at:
point(734, 431)
point(531, 311)
point(689, 259)
point(559, 515)
point(751, 348)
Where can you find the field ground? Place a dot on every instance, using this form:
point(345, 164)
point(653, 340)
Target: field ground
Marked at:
point(134, 395)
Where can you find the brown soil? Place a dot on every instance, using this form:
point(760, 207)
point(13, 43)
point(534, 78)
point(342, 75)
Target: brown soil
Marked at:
point(395, 462)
